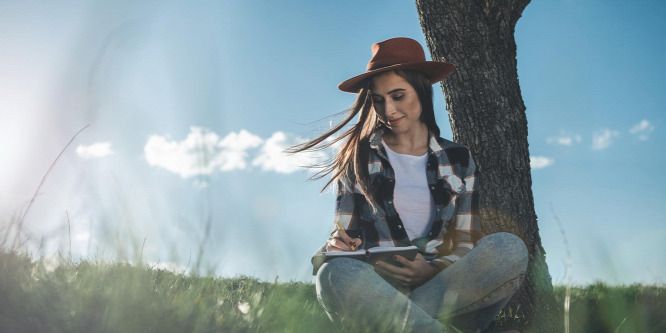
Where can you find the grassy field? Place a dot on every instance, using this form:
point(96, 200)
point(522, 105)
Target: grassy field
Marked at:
point(38, 296)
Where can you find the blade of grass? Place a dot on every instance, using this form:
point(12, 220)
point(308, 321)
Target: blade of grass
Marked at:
point(69, 233)
point(25, 213)
point(567, 296)
point(617, 330)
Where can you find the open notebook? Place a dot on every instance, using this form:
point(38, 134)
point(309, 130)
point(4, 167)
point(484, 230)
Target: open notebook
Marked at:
point(370, 255)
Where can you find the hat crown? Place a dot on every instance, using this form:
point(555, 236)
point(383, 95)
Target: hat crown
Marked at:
point(398, 53)
point(393, 51)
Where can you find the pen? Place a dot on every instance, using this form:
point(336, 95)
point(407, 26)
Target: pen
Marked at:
point(353, 248)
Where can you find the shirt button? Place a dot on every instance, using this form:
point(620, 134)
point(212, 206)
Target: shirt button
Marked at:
point(390, 202)
point(432, 188)
point(430, 234)
point(399, 227)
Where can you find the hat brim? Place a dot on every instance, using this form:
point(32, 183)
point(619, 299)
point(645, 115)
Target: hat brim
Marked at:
point(435, 71)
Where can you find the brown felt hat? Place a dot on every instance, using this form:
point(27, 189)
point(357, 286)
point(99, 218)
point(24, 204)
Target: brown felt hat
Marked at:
point(399, 53)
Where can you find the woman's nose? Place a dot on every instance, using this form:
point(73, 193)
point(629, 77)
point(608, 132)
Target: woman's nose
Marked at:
point(390, 109)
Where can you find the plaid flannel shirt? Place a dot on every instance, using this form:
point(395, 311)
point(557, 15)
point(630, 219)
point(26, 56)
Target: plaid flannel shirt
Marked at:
point(451, 174)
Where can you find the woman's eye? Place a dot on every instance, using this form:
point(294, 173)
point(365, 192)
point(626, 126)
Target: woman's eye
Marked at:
point(398, 97)
point(377, 101)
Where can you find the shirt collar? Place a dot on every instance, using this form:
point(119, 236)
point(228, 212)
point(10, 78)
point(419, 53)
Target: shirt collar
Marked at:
point(376, 140)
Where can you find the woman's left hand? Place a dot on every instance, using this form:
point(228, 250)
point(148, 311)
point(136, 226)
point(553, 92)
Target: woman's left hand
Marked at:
point(413, 273)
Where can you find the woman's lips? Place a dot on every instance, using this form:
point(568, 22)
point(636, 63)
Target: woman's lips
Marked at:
point(395, 122)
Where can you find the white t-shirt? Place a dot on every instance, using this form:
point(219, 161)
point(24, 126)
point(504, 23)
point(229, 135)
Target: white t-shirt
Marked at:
point(411, 196)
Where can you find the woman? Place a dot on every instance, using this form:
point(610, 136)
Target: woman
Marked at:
point(400, 184)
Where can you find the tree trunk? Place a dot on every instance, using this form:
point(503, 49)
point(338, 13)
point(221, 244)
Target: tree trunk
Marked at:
point(487, 114)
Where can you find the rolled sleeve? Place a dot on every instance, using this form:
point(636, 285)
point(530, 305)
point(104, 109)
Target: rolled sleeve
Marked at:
point(347, 212)
point(467, 220)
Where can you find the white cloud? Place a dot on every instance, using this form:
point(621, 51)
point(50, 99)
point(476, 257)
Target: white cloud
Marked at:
point(273, 158)
point(201, 153)
point(564, 139)
point(234, 156)
point(540, 162)
point(603, 139)
point(99, 149)
point(240, 141)
point(642, 129)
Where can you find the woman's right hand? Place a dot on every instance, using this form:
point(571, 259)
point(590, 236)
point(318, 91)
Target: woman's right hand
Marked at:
point(340, 241)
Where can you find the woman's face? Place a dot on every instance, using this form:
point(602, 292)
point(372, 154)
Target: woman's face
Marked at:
point(396, 102)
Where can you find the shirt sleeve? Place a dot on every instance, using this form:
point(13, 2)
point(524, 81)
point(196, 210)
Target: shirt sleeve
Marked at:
point(348, 205)
point(347, 211)
point(467, 220)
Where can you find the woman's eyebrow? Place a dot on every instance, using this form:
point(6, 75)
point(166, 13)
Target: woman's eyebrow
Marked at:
point(396, 90)
point(390, 92)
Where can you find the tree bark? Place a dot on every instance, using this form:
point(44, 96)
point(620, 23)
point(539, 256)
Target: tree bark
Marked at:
point(487, 114)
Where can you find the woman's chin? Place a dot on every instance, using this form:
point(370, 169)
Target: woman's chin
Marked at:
point(398, 129)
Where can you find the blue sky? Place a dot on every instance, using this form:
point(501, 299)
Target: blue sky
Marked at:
point(189, 104)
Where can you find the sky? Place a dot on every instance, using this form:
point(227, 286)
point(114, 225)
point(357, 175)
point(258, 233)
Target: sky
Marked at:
point(189, 105)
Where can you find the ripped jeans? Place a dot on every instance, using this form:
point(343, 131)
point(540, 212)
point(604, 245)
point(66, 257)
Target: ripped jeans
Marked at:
point(466, 295)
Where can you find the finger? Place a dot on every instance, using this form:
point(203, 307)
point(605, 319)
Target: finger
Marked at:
point(391, 268)
point(342, 234)
point(391, 275)
point(336, 244)
point(385, 272)
point(331, 248)
point(345, 238)
point(404, 261)
point(339, 233)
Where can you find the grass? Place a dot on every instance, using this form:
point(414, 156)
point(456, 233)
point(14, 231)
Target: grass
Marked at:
point(604, 308)
point(118, 297)
point(97, 296)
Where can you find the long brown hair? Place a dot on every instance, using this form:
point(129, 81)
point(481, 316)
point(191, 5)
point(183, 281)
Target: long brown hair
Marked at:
point(351, 162)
